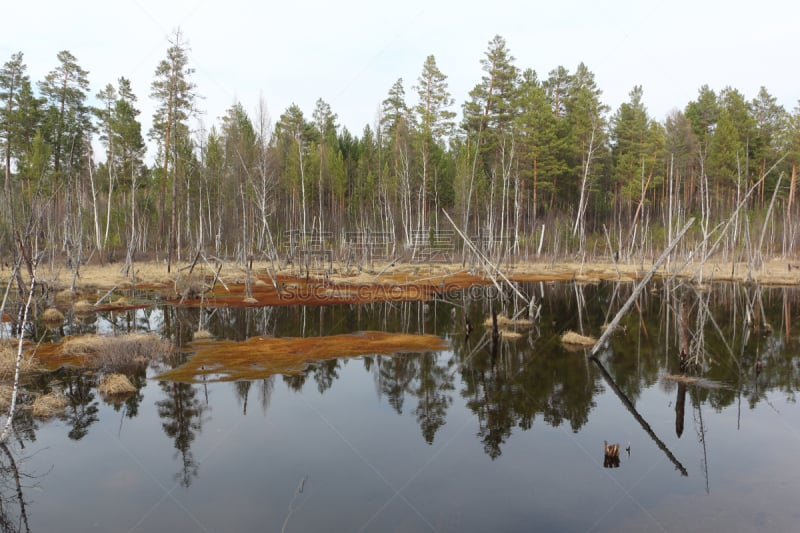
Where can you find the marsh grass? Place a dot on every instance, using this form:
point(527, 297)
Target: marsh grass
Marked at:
point(576, 339)
point(154, 273)
point(48, 405)
point(202, 334)
point(503, 322)
point(53, 318)
point(115, 353)
point(8, 362)
point(83, 307)
point(115, 385)
point(5, 396)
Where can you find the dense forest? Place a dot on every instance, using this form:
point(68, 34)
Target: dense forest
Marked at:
point(535, 166)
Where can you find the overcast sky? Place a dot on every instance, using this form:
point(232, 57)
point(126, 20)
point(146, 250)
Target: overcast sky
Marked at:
point(350, 52)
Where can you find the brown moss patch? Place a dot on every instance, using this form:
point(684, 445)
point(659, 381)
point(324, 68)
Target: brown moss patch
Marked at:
point(576, 339)
point(260, 357)
point(115, 385)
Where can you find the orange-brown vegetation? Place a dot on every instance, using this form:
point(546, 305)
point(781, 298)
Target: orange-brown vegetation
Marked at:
point(259, 357)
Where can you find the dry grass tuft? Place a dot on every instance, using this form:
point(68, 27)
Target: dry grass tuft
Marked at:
point(570, 337)
point(115, 384)
point(8, 362)
point(5, 397)
point(503, 322)
point(510, 335)
point(118, 352)
point(202, 334)
point(250, 301)
point(261, 283)
point(82, 345)
point(49, 405)
point(83, 307)
point(65, 296)
point(189, 286)
point(53, 318)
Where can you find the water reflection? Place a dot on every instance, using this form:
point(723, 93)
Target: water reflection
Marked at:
point(13, 504)
point(703, 352)
point(182, 419)
point(725, 335)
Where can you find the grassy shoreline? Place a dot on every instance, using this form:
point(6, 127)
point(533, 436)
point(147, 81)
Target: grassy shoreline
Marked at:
point(108, 276)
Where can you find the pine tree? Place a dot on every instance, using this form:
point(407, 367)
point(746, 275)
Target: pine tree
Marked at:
point(12, 77)
point(770, 120)
point(293, 137)
point(585, 115)
point(488, 122)
point(175, 98)
point(395, 129)
point(635, 153)
point(65, 89)
point(327, 150)
point(434, 122)
point(541, 144)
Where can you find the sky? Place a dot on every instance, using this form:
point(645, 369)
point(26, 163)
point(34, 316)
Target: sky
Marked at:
point(350, 52)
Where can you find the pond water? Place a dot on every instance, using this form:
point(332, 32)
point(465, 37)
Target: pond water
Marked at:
point(480, 437)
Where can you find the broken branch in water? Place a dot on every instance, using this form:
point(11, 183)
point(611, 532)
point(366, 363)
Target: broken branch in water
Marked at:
point(645, 280)
point(485, 260)
point(630, 407)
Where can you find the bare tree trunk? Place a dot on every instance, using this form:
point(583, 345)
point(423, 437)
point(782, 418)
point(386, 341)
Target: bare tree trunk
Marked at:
point(580, 223)
point(98, 238)
point(766, 220)
point(12, 409)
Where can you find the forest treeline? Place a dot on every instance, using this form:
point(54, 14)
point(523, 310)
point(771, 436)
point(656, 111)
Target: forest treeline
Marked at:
point(535, 165)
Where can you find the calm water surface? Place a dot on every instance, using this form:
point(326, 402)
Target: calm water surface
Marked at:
point(477, 438)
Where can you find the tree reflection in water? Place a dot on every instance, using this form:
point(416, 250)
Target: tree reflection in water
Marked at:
point(182, 414)
point(13, 507)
